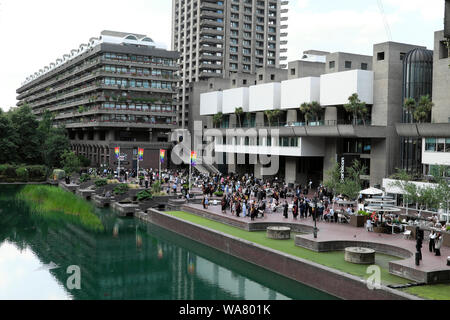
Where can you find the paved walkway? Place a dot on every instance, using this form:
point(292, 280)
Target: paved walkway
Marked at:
point(336, 231)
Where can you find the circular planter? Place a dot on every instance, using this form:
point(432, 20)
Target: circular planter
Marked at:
point(279, 233)
point(360, 255)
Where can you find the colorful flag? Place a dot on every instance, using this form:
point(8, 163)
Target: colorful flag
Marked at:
point(140, 154)
point(162, 155)
point(193, 158)
point(117, 151)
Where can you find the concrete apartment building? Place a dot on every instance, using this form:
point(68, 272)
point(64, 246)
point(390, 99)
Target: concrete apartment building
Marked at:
point(218, 38)
point(308, 149)
point(115, 91)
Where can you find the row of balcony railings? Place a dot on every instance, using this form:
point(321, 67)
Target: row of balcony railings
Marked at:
point(101, 72)
point(82, 110)
point(49, 89)
point(99, 85)
point(321, 123)
point(125, 120)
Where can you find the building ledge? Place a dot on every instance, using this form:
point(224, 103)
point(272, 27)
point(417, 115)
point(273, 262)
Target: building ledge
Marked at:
point(423, 130)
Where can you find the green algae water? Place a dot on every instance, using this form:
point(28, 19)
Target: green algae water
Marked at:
point(125, 259)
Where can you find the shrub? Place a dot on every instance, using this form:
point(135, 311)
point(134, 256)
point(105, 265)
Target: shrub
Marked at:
point(218, 193)
point(363, 213)
point(121, 189)
point(84, 177)
point(156, 187)
point(101, 183)
point(38, 173)
point(448, 228)
point(144, 195)
point(22, 174)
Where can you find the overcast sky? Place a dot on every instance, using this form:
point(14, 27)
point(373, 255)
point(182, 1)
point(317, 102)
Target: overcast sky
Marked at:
point(35, 33)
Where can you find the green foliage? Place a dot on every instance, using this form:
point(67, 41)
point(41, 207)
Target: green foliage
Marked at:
point(239, 112)
point(156, 187)
point(144, 195)
point(22, 174)
point(71, 163)
point(410, 105)
point(121, 189)
point(101, 183)
point(363, 213)
point(351, 185)
point(217, 119)
point(85, 177)
point(272, 115)
point(52, 203)
point(84, 162)
point(218, 193)
point(423, 109)
point(14, 173)
point(311, 111)
point(356, 107)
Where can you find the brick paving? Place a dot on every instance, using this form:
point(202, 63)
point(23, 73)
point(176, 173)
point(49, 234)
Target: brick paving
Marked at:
point(329, 231)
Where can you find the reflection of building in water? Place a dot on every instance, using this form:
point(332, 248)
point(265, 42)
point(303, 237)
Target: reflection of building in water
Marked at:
point(122, 267)
point(236, 285)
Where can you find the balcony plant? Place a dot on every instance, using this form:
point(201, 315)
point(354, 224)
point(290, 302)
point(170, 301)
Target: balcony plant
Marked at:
point(217, 119)
point(239, 112)
point(423, 109)
point(357, 108)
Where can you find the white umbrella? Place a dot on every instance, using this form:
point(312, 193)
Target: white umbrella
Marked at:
point(371, 191)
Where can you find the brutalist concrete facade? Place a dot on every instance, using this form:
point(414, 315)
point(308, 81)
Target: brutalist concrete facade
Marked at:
point(116, 91)
point(217, 38)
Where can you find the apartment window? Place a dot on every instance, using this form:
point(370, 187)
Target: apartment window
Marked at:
point(348, 64)
point(443, 50)
point(260, 77)
point(244, 82)
point(402, 56)
point(380, 56)
point(234, 82)
point(364, 66)
point(331, 64)
point(272, 77)
point(292, 72)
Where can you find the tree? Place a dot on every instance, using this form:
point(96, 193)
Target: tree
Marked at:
point(71, 163)
point(311, 111)
point(25, 125)
point(305, 108)
point(239, 112)
point(351, 185)
point(357, 108)
point(217, 119)
point(423, 109)
point(8, 139)
point(410, 106)
point(271, 115)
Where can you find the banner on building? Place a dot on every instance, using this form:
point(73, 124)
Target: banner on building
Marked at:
point(141, 154)
point(117, 152)
point(193, 158)
point(162, 155)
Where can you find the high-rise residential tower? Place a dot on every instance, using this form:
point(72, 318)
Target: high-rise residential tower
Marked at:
point(217, 38)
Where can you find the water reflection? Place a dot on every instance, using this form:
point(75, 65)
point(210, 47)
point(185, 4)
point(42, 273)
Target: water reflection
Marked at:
point(129, 260)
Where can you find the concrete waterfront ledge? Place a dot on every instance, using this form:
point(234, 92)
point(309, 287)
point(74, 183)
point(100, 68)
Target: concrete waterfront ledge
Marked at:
point(332, 281)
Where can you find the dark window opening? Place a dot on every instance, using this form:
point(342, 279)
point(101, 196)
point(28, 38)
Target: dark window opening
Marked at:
point(348, 64)
point(380, 56)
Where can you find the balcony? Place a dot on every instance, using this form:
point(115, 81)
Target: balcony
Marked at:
point(336, 88)
point(211, 103)
point(265, 97)
point(235, 98)
point(297, 91)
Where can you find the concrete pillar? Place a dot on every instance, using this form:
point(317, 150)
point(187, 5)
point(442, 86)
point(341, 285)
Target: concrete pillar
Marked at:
point(110, 135)
point(259, 119)
point(258, 170)
point(330, 115)
point(330, 158)
point(292, 116)
point(291, 170)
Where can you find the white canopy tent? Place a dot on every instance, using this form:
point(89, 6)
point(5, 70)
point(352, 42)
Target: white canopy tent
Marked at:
point(372, 191)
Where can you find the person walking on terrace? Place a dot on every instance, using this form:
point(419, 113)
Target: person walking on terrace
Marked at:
point(438, 245)
point(433, 236)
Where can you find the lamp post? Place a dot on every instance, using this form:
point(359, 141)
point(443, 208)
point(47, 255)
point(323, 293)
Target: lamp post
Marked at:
point(314, 206)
